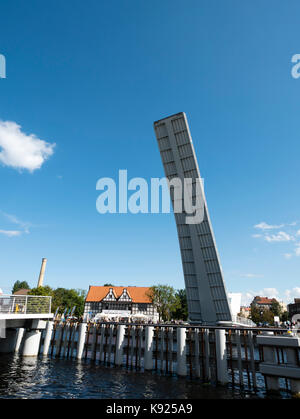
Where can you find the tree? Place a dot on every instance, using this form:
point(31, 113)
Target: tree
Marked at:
point(164, 301)
point(261, 315)
point(276, 308)
point(35, 305)
point(181, 312)
point(63, 299)
point(67, 299)
point(46, 291)
point(255, 314)
point(284, 316)
point(18, 285)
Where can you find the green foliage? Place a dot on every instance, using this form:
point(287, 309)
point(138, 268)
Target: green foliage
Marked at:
point(39, 305)
point(18, 285)
point(42, 291)
point(284, 316)
point(261, 315)
point(276, 308)
point(63, 298)
point(181, 312)
point(165, 301)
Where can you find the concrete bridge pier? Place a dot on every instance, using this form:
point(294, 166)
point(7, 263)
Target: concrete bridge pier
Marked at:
point(292, 359)
point(222, 374)
point(32, 340)
point(22, 317)
point(8, 344)
point(273, 367)
point(19, 339)
point(81, 339)
point(119, 344)
point(49, 329)
point(148, 361)
point(181, 351)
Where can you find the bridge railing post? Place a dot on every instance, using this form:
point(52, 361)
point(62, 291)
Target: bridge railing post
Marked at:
point(148, 356)
point(20, 335)
point(181, 351)
point(47, 340)
point(120, 344)
point(221, 355)
point(81, 339)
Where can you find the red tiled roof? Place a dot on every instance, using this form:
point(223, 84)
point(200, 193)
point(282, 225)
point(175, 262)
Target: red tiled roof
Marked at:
point(22, 291)
point(137, 294)
point(264, 300)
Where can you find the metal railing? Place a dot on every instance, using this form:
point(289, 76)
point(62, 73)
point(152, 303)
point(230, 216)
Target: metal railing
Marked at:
point(229, 354)
point(25, 304)
point(243, 321)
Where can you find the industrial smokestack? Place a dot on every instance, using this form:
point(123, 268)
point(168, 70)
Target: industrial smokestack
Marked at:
point(42, 272)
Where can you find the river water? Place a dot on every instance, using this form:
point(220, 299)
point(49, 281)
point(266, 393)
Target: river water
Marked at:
point(47, 378)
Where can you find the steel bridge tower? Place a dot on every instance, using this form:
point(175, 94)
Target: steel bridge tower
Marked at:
point(206, 294)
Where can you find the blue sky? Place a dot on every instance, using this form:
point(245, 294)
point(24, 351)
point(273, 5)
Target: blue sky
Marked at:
point(89, 78)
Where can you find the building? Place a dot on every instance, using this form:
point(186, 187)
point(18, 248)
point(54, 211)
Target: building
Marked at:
point(263, 302)
point(294, 310)
point(245, 312)
point(22, 291)
point(283, 306)
point(119, 302)
point(234, 299)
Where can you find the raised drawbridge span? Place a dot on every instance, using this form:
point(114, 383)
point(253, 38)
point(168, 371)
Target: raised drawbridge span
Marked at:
point(206, 294)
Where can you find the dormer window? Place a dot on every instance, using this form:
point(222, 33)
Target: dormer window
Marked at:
point(110, 296)
point(124, 296)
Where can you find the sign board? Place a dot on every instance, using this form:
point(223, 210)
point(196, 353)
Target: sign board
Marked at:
point(121, 313)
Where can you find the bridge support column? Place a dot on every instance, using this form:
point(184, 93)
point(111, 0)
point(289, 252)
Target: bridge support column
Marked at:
point(270, 357)
point(119, 344)
point(148, 361)
point(81, 339)
point(19, 340)
point(47, 339)
point(181, 351)
point(292, 359)
point(32, 343)
point(221, 355)
point(8, 344)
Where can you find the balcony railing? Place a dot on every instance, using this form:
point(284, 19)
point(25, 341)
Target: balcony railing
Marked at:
point(25, 304)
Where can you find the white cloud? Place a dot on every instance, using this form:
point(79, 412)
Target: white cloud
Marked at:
point(265, 226)
point(291, 294)
point(280, 237)
point(22, 151)
point(269, 292)
point(253, 275)
point(11, 233)
point(248, 296)
point(14, 220)
point(297, 250)
point(286, 296)
point(288, 255)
